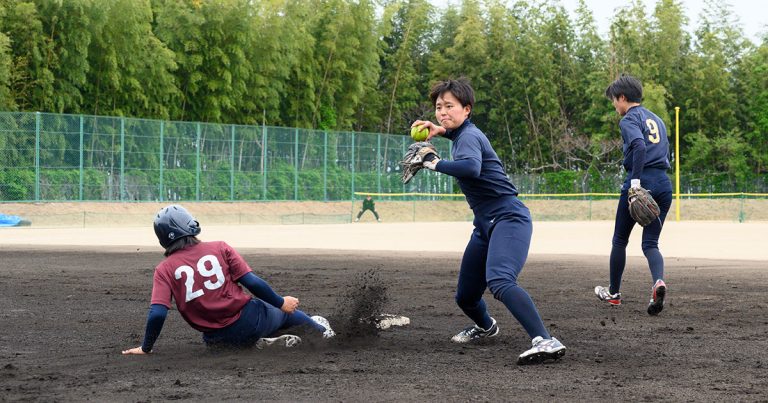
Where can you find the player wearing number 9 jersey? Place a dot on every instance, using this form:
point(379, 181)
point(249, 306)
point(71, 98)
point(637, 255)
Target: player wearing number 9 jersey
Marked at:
point(204, 279)
point(646, 160)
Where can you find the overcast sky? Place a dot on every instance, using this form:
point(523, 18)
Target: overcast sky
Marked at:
point(752, 14)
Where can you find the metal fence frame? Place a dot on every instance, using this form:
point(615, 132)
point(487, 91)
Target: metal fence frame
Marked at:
point(98, 158)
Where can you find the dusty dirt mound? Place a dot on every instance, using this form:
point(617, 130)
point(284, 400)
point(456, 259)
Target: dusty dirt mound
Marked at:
point(358, 307)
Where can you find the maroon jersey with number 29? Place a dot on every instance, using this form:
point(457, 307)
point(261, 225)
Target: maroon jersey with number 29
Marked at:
point(202, 279)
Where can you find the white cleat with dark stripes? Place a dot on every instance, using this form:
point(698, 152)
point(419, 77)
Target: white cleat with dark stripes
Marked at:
point(542, 350)
point(286, 340)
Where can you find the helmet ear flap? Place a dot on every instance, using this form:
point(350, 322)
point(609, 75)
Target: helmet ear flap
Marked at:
point(194, 227)
point(174, 222)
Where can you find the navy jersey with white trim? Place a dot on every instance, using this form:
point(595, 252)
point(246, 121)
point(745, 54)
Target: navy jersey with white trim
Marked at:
point(476, 166)
point(640, 123)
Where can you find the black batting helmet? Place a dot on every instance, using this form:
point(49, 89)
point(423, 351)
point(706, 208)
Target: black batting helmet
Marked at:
point(174, 222)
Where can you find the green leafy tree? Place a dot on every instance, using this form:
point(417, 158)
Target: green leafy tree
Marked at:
point(557, 112)
point(593, 144)
point(654, 98)
point(539, 92)
point(226, 67)
point(752, 79)
point(347, 61)
point(274, 35)
point(712, 103)
point(628, 37)
point(210, 40)
point(331, 66)
point(131, 69)
point(361, 62)
point(6, 67)
point(299, 104)
point(68, 28)
point(179, 25)
point(329, 54)
point(504, 81)
point(592, 75)
point(31, 79)
point(6, 62)
point(439, 63)
point(404, 65)
point(670, 56)
point(467, 53)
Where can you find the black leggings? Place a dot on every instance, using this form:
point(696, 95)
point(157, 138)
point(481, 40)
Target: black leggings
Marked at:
point(661, 190)
point(363, 211)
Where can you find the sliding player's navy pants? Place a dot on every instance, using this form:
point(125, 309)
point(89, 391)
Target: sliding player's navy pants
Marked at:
point(257, 319)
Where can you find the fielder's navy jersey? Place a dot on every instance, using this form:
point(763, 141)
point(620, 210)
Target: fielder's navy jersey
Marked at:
point(476, 166)
point(640, 123)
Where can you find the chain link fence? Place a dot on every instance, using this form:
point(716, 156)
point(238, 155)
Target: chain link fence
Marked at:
point(56, 157)
point(59, 157)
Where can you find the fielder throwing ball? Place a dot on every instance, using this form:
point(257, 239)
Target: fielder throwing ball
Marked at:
point(203, 278)
point(498, 247)
point(646, 160)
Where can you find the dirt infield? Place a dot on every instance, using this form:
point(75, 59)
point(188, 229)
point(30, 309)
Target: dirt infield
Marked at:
point(67, 313)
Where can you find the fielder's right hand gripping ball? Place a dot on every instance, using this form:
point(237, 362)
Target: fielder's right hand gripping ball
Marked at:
point(642, 207)
point(414, 158)
point(419, 134)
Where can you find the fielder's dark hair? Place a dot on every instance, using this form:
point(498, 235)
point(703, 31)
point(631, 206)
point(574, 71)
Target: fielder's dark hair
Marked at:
point(181, 243)
point(460, 88)
point(626, 85)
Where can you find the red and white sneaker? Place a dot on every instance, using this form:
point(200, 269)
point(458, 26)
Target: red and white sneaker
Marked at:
point(605, 295)
point(657, 297)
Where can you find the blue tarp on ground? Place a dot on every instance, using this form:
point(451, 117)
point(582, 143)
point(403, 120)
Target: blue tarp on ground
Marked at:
point(9, 220)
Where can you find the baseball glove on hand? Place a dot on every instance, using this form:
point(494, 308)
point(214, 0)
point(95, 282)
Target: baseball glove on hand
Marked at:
point(642, 207)
point(414, 159)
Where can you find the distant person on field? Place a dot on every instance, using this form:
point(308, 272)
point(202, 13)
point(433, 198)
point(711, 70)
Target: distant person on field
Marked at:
point(498, 247)
point(204, 279)
point(368, 204)
point(646, 160)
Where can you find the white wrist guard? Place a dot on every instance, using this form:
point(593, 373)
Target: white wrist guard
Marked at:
point(431, 165)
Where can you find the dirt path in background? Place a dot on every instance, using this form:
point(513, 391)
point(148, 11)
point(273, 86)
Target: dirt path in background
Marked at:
point(701, 239)
point(90, 214)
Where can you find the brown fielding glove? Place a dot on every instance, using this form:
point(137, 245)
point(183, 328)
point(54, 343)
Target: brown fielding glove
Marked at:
point(414, 159)
point(642, 207)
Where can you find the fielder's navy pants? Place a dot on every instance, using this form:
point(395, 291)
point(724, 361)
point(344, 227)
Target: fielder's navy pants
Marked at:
point(494, 257)
point(657, 182)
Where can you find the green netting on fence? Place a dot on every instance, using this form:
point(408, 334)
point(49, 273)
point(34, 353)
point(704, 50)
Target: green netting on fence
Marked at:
point(55, 157)
point(58, 157)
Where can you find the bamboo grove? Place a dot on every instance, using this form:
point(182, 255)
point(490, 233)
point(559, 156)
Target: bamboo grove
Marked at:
point(362, 65)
